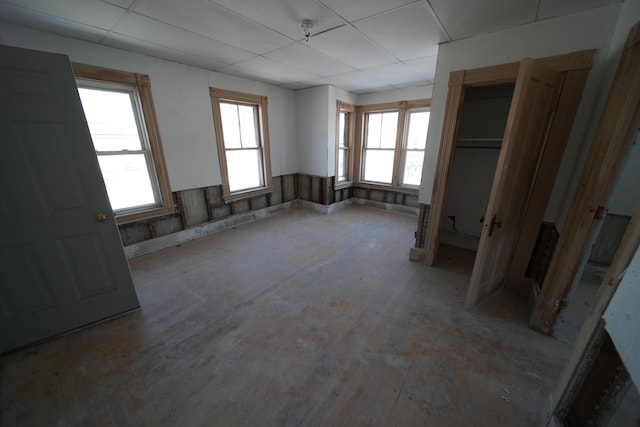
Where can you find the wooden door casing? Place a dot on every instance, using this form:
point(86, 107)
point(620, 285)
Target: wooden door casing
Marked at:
point(608, 150)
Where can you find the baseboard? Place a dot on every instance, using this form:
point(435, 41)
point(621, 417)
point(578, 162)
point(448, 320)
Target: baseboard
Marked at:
point(152, 245)
point(325, 209)
point(392, 207)
point(416, 255)
point(174, 239)
point(456, 240)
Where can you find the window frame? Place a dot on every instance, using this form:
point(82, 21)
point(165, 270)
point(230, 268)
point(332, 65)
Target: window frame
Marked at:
point(405, 140)
point(403, 108)
point(140, 85)
point(240, 98)
point(350, 125)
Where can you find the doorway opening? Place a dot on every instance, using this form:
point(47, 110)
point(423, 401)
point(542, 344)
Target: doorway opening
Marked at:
point(482, 123)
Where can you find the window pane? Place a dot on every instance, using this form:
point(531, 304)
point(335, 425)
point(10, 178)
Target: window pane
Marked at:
point(230, 125)
point(248, 125)
point(342, 129)
point(342, 161)
point(389, 130)
point(374, 123)
point(111, 119)
point(127, 179)
point(413, 167)
point(245, 169)
point(378, 166)
point(418, 125)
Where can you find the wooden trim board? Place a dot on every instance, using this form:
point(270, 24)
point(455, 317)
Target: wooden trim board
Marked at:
point(608, 150)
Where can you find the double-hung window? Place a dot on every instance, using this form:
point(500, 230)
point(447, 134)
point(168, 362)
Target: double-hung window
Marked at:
point(121, 119)
point(345, 127)
point(241, 125)
point(413, 145)
point(393, 141)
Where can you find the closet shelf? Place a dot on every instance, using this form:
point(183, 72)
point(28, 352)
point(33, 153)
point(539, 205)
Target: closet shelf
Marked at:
point(477, 143)
point(480, 140)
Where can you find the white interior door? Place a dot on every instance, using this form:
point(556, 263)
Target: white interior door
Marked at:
point(62, 264)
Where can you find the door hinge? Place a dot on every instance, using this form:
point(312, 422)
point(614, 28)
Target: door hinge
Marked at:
point(599, 212)
point(559, 305)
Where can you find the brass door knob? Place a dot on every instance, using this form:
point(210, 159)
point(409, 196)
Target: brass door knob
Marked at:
point(101, 217)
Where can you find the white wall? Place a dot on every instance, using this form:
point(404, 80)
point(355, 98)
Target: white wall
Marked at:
point(316, 128)
point(312, 124)
point(183, 105)
point(587, 30)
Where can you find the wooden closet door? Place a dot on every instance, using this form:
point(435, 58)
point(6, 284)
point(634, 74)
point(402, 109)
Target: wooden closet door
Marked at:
point(527, 128)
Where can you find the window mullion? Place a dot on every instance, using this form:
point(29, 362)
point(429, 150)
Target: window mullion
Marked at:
point(397, 157)
point(239, 125)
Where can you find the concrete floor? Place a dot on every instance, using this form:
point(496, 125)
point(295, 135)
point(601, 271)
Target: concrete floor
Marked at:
point(296, 319)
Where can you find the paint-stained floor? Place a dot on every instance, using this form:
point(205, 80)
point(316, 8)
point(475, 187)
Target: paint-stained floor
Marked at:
point(296, 319)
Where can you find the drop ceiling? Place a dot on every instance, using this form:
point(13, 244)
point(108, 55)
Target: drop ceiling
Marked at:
point(357, 45)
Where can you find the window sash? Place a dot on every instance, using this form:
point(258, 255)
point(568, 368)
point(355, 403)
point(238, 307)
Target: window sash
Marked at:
point(404, 177)
point(345, 130)
point(398, 163)
point(116, 194)
point(97, 75)
point(230, 151)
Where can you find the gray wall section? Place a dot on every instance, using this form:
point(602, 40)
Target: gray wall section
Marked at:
point(609, 238)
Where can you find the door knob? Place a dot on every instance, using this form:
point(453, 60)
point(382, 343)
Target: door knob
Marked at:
point(101, 217)
point(494, 223)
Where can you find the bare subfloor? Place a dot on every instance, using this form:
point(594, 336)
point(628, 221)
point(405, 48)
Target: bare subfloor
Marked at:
point(297, 319)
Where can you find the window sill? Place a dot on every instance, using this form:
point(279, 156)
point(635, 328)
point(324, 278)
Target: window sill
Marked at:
point(148, 214)
point(343, 184)
point(228, 198)
point(385, 187)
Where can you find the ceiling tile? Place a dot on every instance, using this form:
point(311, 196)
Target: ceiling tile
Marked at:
point(355, 81)
point(276, 71)
point(300, 56)
point(160, 34)
point(407, 33)
point(125, 4)
point(53, 24)
point(212, 21)
point(317, 82)
point(467, 18)
point(128, 43)
point(395, 75)
point(285, 16)
point(93, 13)
point(426, 66)
point(551, 8)
point(355, 10)
point(349, 46)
